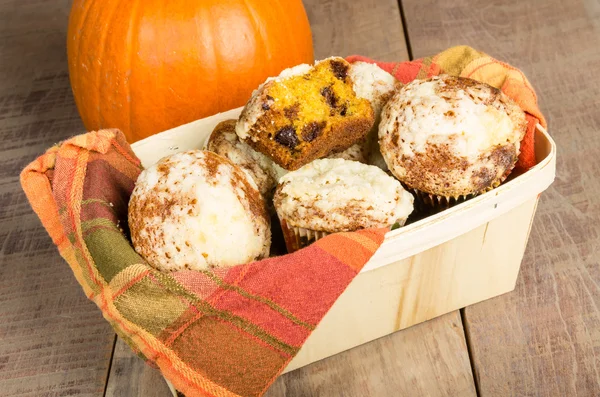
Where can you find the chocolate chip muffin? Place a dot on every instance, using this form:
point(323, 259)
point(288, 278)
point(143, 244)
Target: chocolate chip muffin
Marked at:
point(449, 138)
point(337, 195)
point(377, 86)
point(262, 170)
point(305, 113)
point(190, 209)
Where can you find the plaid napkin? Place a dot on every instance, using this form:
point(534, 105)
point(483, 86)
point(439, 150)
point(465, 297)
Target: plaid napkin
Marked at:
point(224, 332)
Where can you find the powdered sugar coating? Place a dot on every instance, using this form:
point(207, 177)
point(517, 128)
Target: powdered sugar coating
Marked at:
point(335, 195)
point(196, 210)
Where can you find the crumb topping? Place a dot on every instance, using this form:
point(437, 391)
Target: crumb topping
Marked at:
point(451, 136)
point(334, 195)
point(189, 209)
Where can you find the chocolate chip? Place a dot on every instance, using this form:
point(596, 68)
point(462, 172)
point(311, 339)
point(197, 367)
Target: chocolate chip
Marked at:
point(267, 105)
point(287, 137)
point(291, 112)
point(312, 130)
point(340, 69)
point(329, 96)
point(344, 110)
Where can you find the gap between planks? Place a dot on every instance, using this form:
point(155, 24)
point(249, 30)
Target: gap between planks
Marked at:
point(465, 326)
point(405, 30)
point(110, 362)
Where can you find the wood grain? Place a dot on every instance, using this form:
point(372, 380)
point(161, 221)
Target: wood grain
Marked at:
point(53, 341)
point(429, 359)
point(130, 376)
point(371, 28)
point(543, 339)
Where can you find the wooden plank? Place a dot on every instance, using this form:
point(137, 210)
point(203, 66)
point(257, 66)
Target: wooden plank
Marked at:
point(430, 358)
point(130, 376)
point(543, 339)
point(366, 27)
point(54, 342)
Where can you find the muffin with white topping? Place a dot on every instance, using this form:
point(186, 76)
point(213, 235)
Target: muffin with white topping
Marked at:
point(197, 210)
point(357, 152)
point(377, 86)
point(449, 138)
point(337, 195)
point(262, 170)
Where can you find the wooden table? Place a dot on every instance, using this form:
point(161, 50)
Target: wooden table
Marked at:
point(543, 339)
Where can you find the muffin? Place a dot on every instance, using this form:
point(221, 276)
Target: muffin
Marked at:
point(261, 169)
point(305, 113)
point(449, 138)
point(377, 86)
point(357, 152)
point(337, 195)
point(197, 210)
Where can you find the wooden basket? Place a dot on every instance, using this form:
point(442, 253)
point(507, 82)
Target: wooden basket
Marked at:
point(461, 256)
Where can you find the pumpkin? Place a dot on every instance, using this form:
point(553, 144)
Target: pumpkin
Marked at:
point(145, 66)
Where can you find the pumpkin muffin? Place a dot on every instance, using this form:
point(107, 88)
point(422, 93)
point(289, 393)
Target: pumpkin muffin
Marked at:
point(448, 138)
point(377, 86)
point(305, 113)
point(337, 195)
point(261, 169)
point(197, 210)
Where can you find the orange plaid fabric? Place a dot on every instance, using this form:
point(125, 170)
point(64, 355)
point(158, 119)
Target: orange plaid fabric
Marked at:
point(227, 332)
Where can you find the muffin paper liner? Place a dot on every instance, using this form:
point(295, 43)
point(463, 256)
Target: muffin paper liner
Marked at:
point(299, 237)
point(427, 202)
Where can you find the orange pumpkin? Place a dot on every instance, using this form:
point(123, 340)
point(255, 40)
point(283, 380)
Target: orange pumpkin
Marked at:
point(145, 66)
